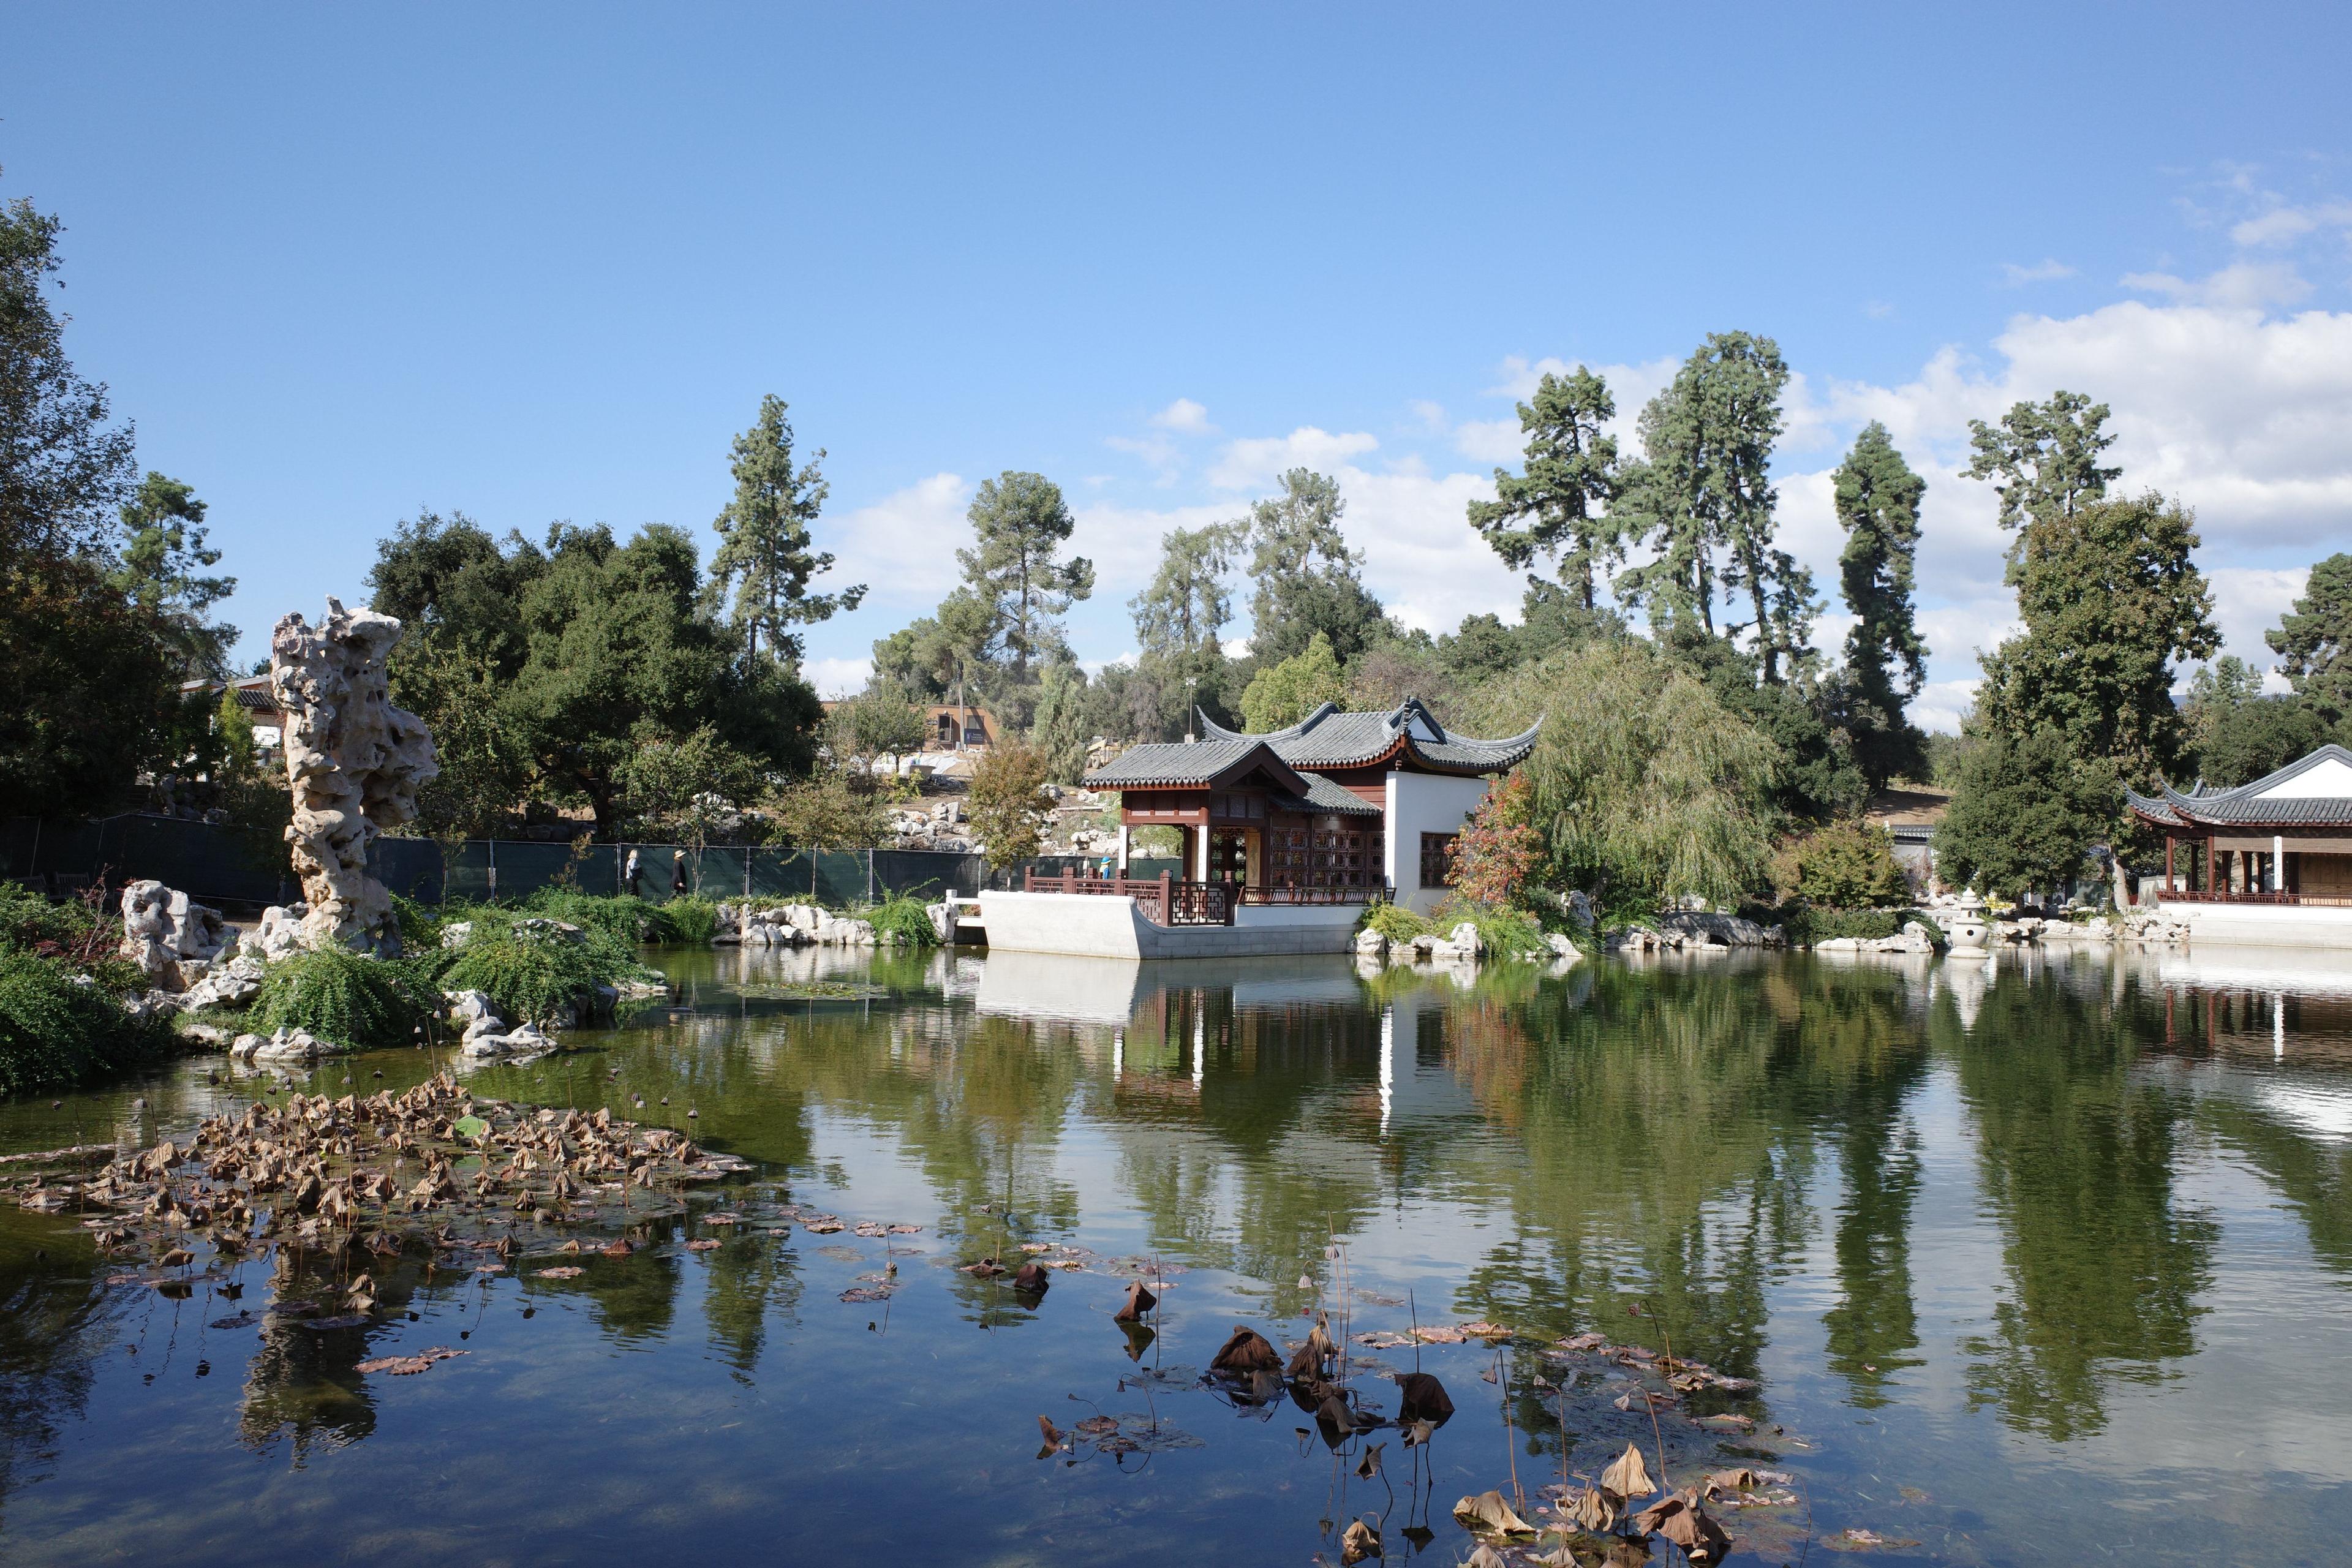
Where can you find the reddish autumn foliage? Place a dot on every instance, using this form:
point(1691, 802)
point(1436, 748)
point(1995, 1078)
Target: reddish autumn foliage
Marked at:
point(1499, 850)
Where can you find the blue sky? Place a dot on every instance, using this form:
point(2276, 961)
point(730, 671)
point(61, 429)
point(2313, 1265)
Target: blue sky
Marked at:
point(542, 262)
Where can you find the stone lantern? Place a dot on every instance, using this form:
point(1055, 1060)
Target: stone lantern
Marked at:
point(1965, 926)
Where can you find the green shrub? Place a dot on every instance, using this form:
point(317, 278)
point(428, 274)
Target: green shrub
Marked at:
point(1806, 924)
point(420, 927)
point(1395, 921)
point(692, 921)
point(366, 1003)
point(59, 1028)
point(534, 975)
point(904, 917)
point(1505, 932)
point(31, 921)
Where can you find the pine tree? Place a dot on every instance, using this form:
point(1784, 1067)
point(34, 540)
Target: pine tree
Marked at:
point(1877, 498)
point(765, 555)
point(1702, 494)
point(1022, 523)
point(1557, 508)
point(2047, 454)
point(2314, 641)
point(1308, 580)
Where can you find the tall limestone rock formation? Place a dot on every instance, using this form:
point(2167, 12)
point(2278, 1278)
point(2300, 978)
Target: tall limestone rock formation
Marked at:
point(354, 763)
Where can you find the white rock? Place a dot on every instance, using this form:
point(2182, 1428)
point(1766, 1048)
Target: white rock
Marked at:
point(1370, 944)
point(356, 762)
point(1563, 950)
point(1466, 940)
point(285, 1046)
point(456, 933)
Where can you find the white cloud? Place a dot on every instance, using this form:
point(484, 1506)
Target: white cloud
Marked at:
point(2048, 270)
point(1422, 557)
point(1877, 310)
point(1123, 542)
point(1260, 459)
point(1940, 703)
point(1491, 440)
point(838, 676)
point(1183, 415)
point(1157, 451)
point(903, 546)
point(2240, 286)
point(1432, 416)
point(2285, 225)
point(1520, 378)
point(2248, 601)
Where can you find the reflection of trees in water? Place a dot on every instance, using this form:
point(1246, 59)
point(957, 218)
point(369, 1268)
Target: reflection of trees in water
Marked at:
point(54, 1320)
point(2251, 1109)
point(299, 1383)
point(2075, 1149)
point(2314, 1176)
point(1271, 1155)
point(744, 1279)
point(1666, 1131)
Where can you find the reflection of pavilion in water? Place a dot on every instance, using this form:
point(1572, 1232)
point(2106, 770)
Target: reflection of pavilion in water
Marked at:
point(1159, 1025)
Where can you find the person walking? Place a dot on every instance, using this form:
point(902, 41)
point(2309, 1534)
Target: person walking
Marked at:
point(630, 873)
point(677, 885)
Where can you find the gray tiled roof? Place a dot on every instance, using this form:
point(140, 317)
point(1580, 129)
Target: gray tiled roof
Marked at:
point(1328, 738)
point(1172, 763)
point(1323, 796)
point(2245, 805)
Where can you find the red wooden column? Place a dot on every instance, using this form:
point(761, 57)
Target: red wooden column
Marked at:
point(2171, 885)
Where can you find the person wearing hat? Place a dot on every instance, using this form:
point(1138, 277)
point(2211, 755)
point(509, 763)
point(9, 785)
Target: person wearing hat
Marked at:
point(678, 887)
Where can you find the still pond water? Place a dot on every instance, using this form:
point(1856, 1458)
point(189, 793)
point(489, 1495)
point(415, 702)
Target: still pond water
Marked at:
point(2044, 1261)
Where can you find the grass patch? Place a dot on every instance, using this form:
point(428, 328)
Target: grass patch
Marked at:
point(59, 1029)
point(1395, 922)
point(1806, 924)
point(531, 974)
point(362, 1002)
point(904, 917)
point(691, 920)
point(1505, 933)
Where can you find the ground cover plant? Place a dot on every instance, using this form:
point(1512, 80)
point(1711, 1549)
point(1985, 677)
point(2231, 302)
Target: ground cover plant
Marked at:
point(904, 917)
point(352, 1000)
point(62, 1017)
point(530, 971)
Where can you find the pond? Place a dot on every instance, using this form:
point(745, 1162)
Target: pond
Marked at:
point(2042, 1260)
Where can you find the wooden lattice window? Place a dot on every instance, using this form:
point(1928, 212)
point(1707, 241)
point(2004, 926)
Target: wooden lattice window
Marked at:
point(1437, 860)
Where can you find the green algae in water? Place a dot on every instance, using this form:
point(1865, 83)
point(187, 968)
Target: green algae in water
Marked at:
point(811, 991)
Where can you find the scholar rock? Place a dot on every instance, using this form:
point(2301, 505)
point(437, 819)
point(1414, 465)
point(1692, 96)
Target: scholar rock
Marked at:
point(354, 763)
point(171, 939)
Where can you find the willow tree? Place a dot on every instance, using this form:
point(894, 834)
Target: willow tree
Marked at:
point(1645, 786)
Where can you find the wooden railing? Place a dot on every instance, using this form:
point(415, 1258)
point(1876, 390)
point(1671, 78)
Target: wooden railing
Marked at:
point(1164, 900)
point(1288, 895)
point(2226, 896)
point(1161, 900)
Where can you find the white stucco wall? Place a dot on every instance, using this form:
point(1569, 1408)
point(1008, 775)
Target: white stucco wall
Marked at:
point(2266, 925)
point(1419, 804)
point(1094, 925)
